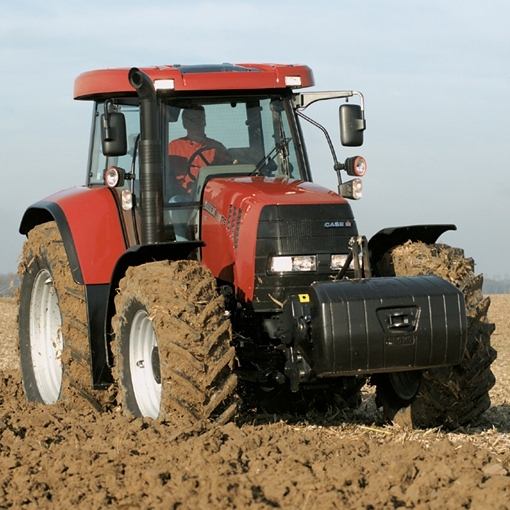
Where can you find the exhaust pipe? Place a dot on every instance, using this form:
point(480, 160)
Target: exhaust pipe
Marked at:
point(151, 164)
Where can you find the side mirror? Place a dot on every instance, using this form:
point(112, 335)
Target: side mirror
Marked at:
point(113, 134)
point(352, 125)
point(173, 113)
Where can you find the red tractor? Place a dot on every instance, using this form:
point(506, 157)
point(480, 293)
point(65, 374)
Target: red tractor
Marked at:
point(191, 266)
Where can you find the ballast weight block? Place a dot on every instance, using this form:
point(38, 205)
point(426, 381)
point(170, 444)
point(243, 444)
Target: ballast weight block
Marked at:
point(386, 324)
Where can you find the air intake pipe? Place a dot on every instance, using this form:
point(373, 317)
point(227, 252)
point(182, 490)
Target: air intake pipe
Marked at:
point(151, 164)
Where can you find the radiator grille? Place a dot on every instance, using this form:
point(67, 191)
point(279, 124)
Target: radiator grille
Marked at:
point(298, 230)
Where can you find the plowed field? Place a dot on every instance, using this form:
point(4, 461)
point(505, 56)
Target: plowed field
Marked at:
point(55, 457)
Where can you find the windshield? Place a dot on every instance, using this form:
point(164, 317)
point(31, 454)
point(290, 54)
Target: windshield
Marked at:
point(249, 132)
point(251, 136)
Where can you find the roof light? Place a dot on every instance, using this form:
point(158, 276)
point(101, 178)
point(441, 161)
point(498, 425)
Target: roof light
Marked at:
point(293, 81)
point(164, 84)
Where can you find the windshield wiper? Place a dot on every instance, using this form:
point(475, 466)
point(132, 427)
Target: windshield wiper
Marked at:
point(279, 148)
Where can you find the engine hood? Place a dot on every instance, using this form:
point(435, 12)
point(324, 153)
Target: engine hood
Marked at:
point(246, 219)
point(265, 190)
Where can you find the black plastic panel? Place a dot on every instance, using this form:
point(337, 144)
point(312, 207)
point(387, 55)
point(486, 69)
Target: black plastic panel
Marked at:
point(386, 324)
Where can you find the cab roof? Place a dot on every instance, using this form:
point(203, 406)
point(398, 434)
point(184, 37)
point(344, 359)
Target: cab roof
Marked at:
point(209, 77)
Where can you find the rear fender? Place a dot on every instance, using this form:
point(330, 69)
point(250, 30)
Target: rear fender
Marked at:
point(90, 226)
point(89, 223)
point(388, 238)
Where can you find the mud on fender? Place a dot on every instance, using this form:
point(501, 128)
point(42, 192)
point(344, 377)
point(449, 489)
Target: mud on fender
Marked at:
point(386, 324)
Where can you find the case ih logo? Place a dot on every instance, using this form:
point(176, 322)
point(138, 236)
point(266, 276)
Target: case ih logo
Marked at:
point(337, 224)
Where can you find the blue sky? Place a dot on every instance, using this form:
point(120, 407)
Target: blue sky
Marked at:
point(435, 76)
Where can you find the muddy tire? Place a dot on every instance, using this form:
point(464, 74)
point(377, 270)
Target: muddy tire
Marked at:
point(173, 344)
point(451, 396)
point(52, 319)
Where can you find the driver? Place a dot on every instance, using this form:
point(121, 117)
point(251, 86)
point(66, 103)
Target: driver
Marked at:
point(188, 154)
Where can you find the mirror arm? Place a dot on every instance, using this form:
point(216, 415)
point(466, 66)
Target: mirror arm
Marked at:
point(305, 99)
point(337, 166)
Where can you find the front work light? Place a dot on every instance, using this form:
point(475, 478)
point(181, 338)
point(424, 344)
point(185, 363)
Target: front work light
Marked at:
point(356, 166)
point(292, 263)
point(114, 176)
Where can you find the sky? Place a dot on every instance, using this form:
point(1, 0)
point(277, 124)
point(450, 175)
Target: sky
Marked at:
point(435, 76)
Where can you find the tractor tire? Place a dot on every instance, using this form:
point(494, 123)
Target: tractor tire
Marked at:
point(173, 342)
point(451, 396)
point(54, 345)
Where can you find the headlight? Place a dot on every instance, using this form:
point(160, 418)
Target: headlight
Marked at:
point(338, 262)
point(292, 263)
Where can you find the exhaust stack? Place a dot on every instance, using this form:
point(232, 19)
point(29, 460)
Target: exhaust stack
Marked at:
point(151, 164)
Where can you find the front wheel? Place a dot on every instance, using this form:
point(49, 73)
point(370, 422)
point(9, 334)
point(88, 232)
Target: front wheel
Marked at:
point(450, 396)
point(173, 344)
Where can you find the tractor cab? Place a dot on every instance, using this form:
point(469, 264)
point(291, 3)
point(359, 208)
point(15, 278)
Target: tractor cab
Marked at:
point(203, 125)
point(247, 137)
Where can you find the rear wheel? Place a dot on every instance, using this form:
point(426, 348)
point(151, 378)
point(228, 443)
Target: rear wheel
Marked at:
point(450, 396)
point(173, 343)
point(53, 333)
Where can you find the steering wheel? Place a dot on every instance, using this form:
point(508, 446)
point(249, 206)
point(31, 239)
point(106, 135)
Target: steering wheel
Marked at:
point(198, 153)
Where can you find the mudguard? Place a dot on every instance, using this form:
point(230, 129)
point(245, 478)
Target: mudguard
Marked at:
point(100, 299)
point(89, 222)
point(388, 238)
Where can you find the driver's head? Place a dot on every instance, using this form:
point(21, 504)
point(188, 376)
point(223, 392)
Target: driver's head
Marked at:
point(193, 117)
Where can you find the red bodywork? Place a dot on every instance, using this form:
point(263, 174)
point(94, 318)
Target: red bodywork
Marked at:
point(230, 246)
point(106, 82)
point(230, 218)
point(98, 249)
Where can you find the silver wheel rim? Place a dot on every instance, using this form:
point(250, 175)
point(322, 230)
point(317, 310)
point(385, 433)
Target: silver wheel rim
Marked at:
point(142, 348)
point(46, 342)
